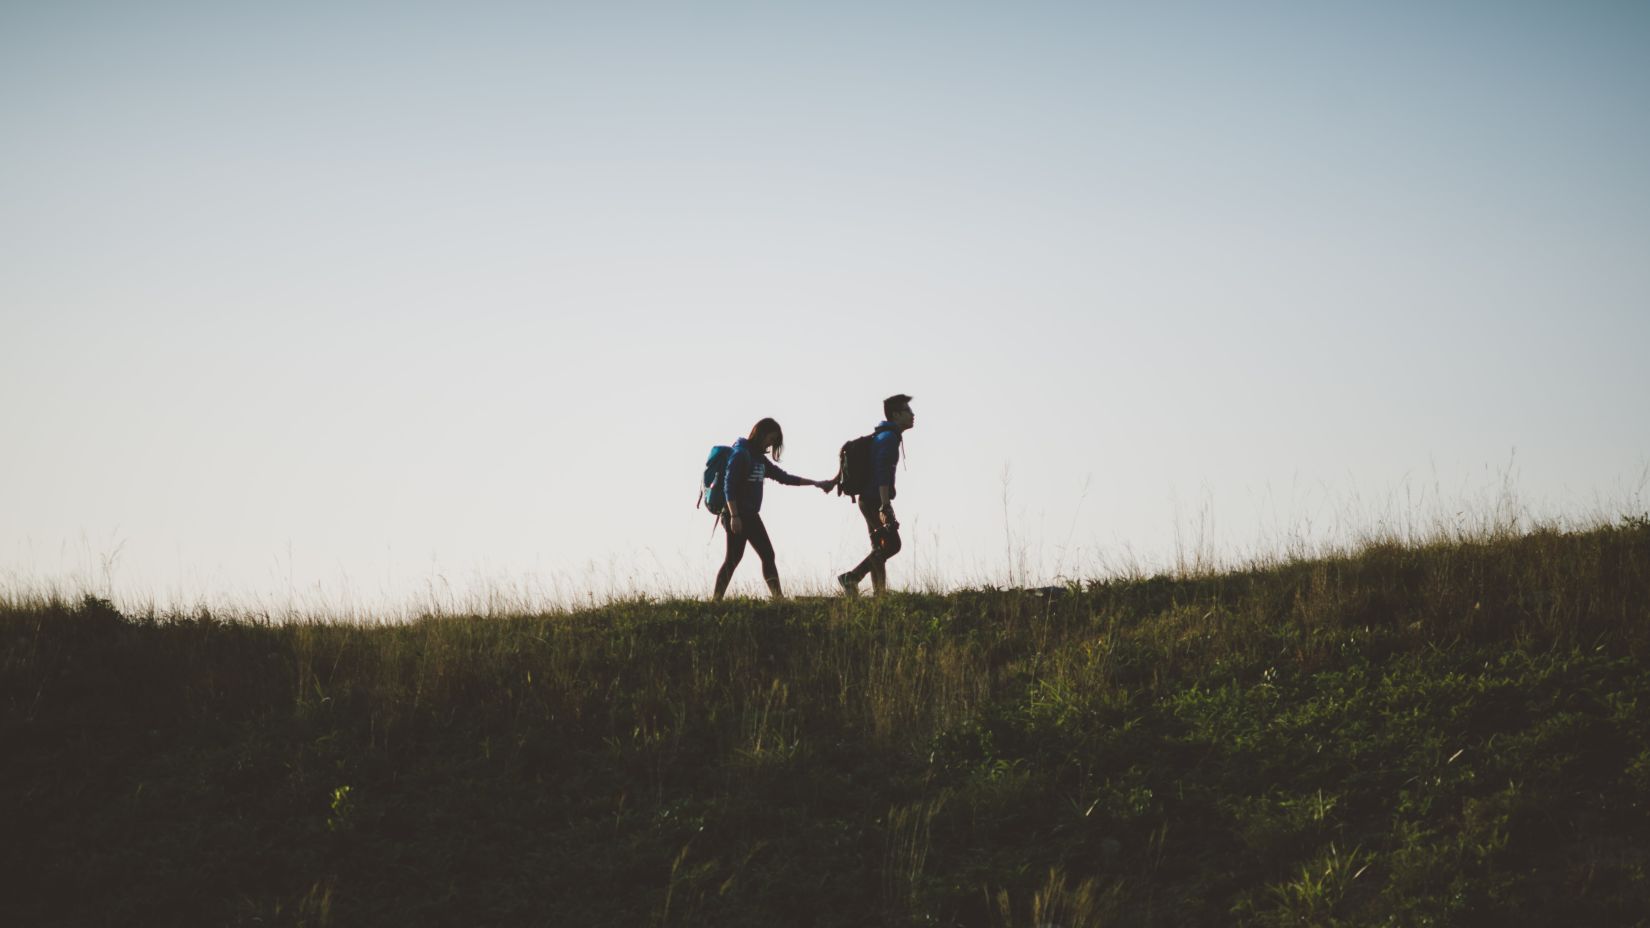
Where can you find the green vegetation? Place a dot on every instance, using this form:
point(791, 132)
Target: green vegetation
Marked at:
point(1442, 734)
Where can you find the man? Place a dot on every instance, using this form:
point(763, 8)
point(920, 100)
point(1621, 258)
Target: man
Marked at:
point(876, 503)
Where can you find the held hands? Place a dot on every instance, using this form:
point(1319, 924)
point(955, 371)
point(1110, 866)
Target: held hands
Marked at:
point(826, 485)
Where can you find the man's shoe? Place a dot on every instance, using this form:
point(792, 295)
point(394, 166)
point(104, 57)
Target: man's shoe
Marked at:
point(850, 584)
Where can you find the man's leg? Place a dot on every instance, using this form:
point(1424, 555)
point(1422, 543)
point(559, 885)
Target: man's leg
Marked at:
point(885, 544)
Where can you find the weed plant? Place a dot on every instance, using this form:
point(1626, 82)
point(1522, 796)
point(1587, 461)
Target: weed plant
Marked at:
point(1427, 733)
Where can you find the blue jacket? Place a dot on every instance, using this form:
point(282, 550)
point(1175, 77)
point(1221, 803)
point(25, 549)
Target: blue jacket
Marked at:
point(747, 468)
point(885, 445)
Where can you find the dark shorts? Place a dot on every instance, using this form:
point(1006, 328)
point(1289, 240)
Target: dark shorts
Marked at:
point(883, 537)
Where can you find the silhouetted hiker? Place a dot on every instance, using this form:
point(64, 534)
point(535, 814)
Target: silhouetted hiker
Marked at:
point(867, 473)
point(741, 483)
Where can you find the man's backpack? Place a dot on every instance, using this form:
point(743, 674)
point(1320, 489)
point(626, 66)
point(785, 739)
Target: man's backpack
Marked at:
point(854, 467)
point(714, 494)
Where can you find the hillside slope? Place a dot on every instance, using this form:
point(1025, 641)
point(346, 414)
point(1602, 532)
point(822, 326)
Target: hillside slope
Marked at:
point(1448, 734)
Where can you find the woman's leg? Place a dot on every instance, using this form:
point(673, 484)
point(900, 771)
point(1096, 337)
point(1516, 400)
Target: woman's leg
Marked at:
point(736, 550)
point(759, 540)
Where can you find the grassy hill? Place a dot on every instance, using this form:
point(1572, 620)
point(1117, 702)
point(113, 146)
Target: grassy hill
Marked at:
point(1445, 734)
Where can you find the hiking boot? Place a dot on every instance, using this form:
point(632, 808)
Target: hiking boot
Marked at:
point(850, 584)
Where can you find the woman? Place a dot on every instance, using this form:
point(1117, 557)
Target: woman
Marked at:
point(748, 466)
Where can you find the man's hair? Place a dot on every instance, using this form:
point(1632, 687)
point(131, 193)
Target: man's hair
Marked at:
point(895, 403)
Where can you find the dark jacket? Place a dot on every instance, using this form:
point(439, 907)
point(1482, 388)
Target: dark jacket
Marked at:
point(747, 468)
point(885, 445)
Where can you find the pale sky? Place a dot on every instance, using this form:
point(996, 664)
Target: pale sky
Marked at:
point(336, 305)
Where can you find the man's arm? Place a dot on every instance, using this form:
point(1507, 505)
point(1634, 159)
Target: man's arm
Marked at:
point(884, 459)
point(886, 509)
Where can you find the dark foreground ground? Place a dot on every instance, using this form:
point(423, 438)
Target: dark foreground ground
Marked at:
point(1452, 734)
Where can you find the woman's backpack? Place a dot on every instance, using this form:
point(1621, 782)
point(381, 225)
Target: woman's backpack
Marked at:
point(713, 495)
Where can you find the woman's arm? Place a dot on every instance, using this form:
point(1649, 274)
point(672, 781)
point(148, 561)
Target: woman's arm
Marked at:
point(739, 468)
point(791, 480)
